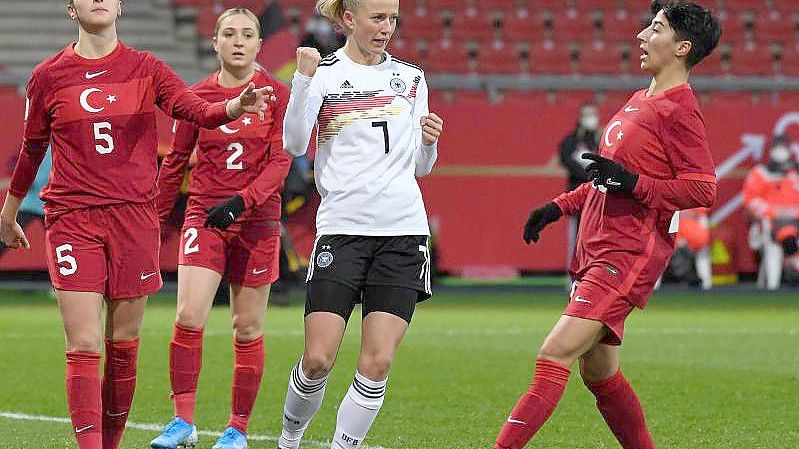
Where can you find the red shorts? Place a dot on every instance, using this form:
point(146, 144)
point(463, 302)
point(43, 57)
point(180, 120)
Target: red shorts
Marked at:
point(111, 250)
point(597, 301)
point(247, 253)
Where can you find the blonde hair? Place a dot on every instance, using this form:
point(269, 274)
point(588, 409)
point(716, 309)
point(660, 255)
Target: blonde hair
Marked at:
point(233, 11)
point(334, 9)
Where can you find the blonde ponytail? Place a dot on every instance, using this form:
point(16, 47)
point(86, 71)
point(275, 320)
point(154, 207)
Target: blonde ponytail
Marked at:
point(334, 9)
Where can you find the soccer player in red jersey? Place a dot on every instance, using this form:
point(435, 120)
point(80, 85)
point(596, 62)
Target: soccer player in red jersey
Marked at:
point(94, 103)
point(653, 161)
point(232, 229)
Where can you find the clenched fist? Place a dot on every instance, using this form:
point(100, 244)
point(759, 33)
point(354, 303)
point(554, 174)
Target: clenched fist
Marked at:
point(432, 127)
point(307, 60)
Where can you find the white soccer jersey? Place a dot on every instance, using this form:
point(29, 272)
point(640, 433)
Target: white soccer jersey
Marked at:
point(369, 144)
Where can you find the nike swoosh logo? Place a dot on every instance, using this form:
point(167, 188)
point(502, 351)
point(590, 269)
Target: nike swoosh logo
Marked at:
point(83, 428)
point(580, 299)
point(254, 271)
point(93, 75)
point(232, 217)
point(144, 277)
point(515, 421)
point(630, 109)
point(611, 182)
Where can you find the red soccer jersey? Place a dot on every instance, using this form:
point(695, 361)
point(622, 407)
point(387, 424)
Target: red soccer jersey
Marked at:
point(630, 238)
point(245, 157)
point(99, 117)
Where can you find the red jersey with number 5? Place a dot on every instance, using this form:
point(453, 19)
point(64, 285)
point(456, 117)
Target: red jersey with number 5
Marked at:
point(626, 240)
point(244, 157)
point(99, 117)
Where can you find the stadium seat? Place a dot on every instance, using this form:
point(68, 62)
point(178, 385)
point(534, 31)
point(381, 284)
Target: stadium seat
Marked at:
point(206, 21)
point(448, 56)
point(790, 60)
point(473, 24)
point(522, 25)
point(550, 57)
point(744, 5)
point(710, 66)
point(621, 25)
point(256, 6)
point(572, 25)
point(598, 5)
point(600, 58)
point(407, 50)
point(421, 25)
point(774, 26)
point(499, 58)
point(551, 5)
point(497, 5)
point(751, 59)
point(733, 26)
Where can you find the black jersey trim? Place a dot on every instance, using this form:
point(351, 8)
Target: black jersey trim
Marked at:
point(407, 63)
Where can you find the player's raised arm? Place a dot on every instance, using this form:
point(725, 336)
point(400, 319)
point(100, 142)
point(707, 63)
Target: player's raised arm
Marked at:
point(304, 104)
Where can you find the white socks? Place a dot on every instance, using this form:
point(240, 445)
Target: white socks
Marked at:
point(303, 398)
point(358, 411)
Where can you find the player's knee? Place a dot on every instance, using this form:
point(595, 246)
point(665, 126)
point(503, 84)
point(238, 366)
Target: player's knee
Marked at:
point(592, 372)
point(189, 318)
point(316, 364)
point(246, 328)
point(375, 365)
point(125, 333)
point(85, 343)
point(557, 353)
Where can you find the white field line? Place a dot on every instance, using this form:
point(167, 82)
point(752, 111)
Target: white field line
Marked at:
point(158, 427)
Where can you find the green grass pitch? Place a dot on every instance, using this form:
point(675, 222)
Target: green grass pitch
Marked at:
point(717, 371)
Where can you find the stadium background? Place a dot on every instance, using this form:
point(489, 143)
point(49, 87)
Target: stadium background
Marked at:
point(508, 76)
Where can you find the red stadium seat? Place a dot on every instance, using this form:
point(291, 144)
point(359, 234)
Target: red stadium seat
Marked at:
point(733, 27)
point(600, 58)
point(256, 6)
point(206, 21)
point(790, 60)
point(598, 5)
point(407, 50)
point(621, 25)
point(550, 57)
point(473, 24)
point(498, 57)
point(497, 5)
point(710, 66)
point(751, 59)
point(445, 5)
point(572, 25)
point(471, 96)
point(448, 56)
point(522, 25)
point(422, 24)
point(774, 26)
point(531, 98)
point(745, 5)
point(551, 5)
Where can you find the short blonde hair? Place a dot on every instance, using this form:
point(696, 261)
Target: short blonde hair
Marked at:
point(334, 9)
point(233, 11)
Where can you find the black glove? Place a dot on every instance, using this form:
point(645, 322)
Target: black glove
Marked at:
point(790, 246)
point(225, 213)
point(609, 174)
point(539, 219)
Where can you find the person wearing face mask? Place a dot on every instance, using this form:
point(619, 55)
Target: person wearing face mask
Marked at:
point(771, 199)
point(582, 140)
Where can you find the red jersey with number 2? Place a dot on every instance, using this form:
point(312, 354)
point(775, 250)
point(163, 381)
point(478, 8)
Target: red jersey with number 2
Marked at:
point(625, 241)
point(244, 157)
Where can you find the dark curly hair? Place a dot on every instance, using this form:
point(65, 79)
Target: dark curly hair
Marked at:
point(693, 23)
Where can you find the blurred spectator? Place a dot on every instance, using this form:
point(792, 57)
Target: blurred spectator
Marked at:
point(32, 207)
point(320, 34)
point(691, 260)
point(583, 139)
point(771, 198)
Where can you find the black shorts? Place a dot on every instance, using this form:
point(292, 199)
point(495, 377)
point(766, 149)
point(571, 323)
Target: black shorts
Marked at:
point(359, 262)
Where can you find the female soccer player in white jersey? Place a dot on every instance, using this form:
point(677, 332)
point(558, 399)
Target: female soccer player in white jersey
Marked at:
point(232, 229)
point(375, 134)
point(94, 103)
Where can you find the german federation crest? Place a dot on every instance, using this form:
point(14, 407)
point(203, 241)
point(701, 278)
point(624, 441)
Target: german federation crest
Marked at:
point(398, 85)
point(324, 259)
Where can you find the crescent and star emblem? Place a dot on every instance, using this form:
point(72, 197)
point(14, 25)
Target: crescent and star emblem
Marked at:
point(84, 100)
point(608, 143)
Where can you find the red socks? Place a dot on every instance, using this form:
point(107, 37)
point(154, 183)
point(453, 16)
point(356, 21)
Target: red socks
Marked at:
point(247, 372)
point(119, 383)
point(185, 360)
point(83, 397)
point(535, 406)
point(622, 411)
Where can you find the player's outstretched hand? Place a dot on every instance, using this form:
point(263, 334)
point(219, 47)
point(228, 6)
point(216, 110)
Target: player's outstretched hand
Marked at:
point(539, 219)
point(253, 101)
point(225, 213)
point(609, 174)
point(307, 60)
point(12, 235)
point(432, 127)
